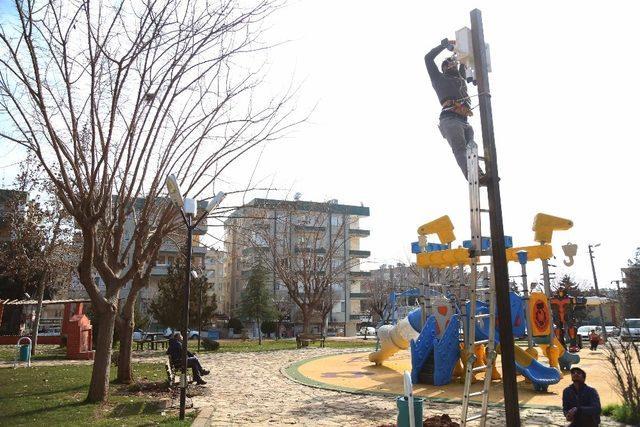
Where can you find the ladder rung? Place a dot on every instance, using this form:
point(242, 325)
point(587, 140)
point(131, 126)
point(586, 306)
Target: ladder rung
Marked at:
point(479, 368)
point(483, 288)
point(484, 263)
point(485, 210)
point(475, 417)
point(481, 158)
point(482, 316)
point(481, 342)
point(478, 393)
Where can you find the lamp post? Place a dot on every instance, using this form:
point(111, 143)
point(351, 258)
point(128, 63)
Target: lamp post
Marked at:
point(595, 283)
point(188, 210)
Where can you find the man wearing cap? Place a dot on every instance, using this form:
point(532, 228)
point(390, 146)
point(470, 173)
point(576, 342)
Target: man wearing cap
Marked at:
point(581, 403)
point(451, 88)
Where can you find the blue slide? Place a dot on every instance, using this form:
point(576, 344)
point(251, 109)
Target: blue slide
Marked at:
point(541, 376)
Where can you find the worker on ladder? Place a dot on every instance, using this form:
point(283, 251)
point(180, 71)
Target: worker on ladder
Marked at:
point(451, 87)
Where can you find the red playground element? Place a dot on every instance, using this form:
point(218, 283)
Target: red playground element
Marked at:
point(77, 327)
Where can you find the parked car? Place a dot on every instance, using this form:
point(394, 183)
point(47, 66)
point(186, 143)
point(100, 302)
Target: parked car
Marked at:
point(585, 330)
point(612, 331)
point(630, 330)
point(367, 330)
point(193, 334)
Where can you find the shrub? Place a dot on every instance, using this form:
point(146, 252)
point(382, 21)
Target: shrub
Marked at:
point(236, 325)
point(268, 327)
point(210, 344)
point(622, 414)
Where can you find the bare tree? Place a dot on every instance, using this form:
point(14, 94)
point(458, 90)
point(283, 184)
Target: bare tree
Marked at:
point(325, 307)
point(111, 98)
point(302, 248)
point(40, 253)
point(624, 361)
point(282, 306)
point(377, 302)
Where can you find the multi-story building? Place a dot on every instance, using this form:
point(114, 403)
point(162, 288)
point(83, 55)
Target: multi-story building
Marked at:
point(329, 232)
point(214, 262)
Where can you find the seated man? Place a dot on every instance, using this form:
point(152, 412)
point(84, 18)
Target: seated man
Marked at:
point(175, 354)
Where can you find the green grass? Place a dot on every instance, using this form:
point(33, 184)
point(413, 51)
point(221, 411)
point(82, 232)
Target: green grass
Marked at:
point(239, 346)
point(54, 396)
point(43, 352)
point(622, 414)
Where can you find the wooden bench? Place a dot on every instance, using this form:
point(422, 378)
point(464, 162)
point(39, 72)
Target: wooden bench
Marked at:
point(303, 340)
point(172, 378)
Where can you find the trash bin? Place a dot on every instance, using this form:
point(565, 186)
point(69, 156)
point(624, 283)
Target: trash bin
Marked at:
point(403, 411)
point(25, 352)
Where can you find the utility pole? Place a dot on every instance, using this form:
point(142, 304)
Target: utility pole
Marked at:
point(500, 269)
point(595, 284)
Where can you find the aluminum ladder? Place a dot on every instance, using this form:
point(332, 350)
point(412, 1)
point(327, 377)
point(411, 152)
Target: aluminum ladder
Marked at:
point(486, 289)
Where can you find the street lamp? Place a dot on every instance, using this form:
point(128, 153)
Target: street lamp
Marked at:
point(595, 283)
point(188, 210)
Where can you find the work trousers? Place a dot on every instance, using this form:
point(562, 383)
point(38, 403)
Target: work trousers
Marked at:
point(196, 367)
point(459, 135)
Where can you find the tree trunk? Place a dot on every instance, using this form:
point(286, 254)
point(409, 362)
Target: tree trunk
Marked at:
point(36, 323)
point(279, 323)
point(306, 320)
point(126, 324)
point(99, 386)
point(259, 332)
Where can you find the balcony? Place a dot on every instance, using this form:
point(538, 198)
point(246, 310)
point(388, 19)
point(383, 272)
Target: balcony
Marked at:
point(359, 254)
point(170, 247)
point(308, 250)
point(363, 317)
point(359, 274)
point(304, 227)
point(360, 295)
point(160, 270)
point(358, 232)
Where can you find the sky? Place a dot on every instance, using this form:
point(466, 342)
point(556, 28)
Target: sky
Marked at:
point(562, 93)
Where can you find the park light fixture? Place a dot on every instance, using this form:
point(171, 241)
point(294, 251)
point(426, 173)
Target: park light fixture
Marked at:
point(174, 191)
point(595, 285)
point(188, 208)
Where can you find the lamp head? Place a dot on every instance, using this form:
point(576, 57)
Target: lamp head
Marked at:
point(174, 191)
point(215, 202)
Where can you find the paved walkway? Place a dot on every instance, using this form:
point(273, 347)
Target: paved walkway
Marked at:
point(249, 388)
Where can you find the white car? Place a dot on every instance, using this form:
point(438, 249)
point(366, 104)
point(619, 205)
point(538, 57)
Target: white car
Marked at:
point(630, 330)
point(585, 330)
point(367, 330)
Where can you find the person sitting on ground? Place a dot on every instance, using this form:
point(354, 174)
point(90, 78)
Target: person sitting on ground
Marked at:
point(175, 354)
point(581, 403)
point(594, 339)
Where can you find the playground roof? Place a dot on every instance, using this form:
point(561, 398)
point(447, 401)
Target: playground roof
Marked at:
point(44, 302)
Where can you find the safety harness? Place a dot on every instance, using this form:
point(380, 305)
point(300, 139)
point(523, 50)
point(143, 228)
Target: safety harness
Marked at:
point(457, 107)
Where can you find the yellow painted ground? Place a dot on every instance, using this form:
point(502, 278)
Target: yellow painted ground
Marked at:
point(354, 371)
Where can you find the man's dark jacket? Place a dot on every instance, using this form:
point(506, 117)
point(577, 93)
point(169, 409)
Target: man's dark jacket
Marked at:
point(175, 352)
point(448, 87)
point(587, 401)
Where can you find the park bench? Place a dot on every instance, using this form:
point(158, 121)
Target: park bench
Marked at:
point(171, 369)
point(303, 340)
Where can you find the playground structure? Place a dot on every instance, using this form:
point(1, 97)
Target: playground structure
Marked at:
point(436, 342)
point(76, 328)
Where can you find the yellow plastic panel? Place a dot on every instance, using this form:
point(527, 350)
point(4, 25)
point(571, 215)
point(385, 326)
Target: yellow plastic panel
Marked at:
point(441, 259)
point(533, 252)
point(442, 226)
point(544, 225)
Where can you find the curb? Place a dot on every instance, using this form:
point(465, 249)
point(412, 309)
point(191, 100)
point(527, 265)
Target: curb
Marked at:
point(203, 417)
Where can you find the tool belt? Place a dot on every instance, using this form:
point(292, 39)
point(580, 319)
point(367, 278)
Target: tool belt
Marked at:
point(457, 107)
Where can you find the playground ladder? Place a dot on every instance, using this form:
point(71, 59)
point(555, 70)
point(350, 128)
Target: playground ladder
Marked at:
point(487, 288)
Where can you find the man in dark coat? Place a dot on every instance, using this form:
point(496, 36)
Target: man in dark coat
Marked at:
point(175, 354)
point(581, 403)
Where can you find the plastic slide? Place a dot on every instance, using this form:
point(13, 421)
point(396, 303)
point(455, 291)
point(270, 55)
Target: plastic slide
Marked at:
point(566, 358)
point(394, 338)
point(541, 376)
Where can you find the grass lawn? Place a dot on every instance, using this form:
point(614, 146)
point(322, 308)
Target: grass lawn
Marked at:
point(54, 396)
point(43, 352)
point(239, 346)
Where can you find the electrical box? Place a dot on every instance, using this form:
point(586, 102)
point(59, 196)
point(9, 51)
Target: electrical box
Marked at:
point(464, 52)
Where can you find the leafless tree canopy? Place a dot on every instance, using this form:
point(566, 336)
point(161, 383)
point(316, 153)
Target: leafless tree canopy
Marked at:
point(113, 96)
point(306, 252)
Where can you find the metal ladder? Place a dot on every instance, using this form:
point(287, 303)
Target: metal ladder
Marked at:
point(487, 288)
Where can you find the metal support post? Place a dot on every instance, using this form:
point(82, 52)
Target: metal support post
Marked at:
point(185, 320)
point(595, 284)
point(500, 270)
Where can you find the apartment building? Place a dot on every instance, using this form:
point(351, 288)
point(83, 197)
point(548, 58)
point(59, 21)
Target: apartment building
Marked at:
point(214, 263)
point(299, 229)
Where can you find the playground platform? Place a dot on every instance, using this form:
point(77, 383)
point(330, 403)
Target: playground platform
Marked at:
point(354, 373)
